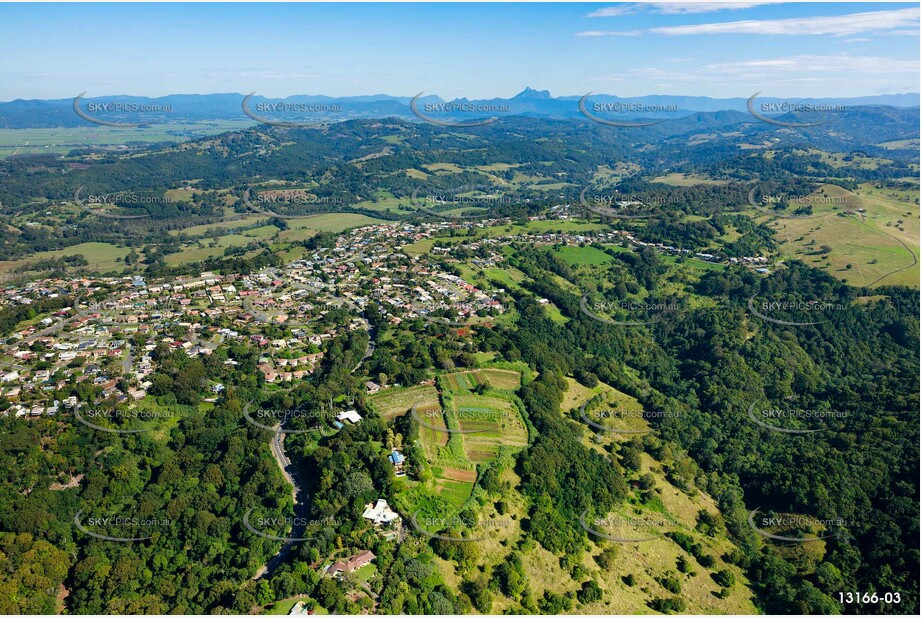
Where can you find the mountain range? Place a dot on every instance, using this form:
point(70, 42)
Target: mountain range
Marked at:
point(184, 108)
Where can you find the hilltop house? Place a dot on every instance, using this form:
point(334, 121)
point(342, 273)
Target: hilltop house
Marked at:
point(397, 459)
point(357, 561)
point(349, 415)
point(380, 513)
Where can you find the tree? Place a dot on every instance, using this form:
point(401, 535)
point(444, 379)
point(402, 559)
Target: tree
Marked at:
point(590, 592)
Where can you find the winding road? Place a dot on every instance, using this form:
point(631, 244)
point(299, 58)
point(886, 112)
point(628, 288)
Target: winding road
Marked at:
point(298, 493)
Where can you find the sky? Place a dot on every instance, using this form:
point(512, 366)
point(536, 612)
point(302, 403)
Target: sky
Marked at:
point(56, 51)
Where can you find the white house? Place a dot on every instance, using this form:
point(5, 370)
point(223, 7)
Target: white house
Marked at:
point(349, 415)
point(379, 513)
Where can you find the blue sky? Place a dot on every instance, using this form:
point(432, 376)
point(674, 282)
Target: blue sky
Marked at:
point(454, 50)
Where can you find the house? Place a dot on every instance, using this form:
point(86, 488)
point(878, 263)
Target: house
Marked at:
point(347, 566)
point(397, 459)
point(349, 415)
point(372, 387)
point(380, 513)
point(300, 609)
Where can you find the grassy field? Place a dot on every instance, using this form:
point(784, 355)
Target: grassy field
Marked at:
point(101, 256)
point(545, 225)
point(914, 143)
point(686, 180)
point(393, 402)
point(577, 256)
point(467, 381)
point(496, 424)
point(204, 249)
point(693, 263)
point(576, 394)
point(65, 139)
point(198, 230)
point(300, 228)
point(880, 245)
point(459, 431)
point(648, 561)
point(283, 608)
point(330, 222)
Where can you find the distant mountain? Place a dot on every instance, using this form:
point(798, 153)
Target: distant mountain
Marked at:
point(191, 108)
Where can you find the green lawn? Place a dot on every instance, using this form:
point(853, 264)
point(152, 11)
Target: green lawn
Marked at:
point(101, 256)
point(576, 256)
point(282, 608)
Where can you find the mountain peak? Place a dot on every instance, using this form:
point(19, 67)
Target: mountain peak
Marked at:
point(530, 93)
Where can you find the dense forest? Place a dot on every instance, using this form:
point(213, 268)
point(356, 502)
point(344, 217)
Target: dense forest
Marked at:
point(197, 474)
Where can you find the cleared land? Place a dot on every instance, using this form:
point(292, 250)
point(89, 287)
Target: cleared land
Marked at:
point(470, 430)
point(393, 402)
point(467, 381)
point(687, 180)
point(577, 256)
point(876, 247)
point(101, 256)
point(63, 140)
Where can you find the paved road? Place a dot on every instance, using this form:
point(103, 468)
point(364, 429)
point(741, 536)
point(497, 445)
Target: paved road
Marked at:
point(56, 327)
point(126, 364)
point(298, 495)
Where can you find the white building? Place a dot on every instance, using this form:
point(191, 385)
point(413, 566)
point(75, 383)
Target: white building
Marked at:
point(379, 513)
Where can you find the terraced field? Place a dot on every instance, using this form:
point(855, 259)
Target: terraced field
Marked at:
point(467, 381)
point(458, 431)
point(393, 402)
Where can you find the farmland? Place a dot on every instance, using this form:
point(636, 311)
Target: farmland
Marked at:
point(873, 247)
point(62, 140)
point(393, 402)
point(459, 431)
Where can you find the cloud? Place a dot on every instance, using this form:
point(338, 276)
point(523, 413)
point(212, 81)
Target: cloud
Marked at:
point(815, 64)
point(805, 68)
point(615, 11)
point(838, 25)
point(684, 8)
point(676, 8)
